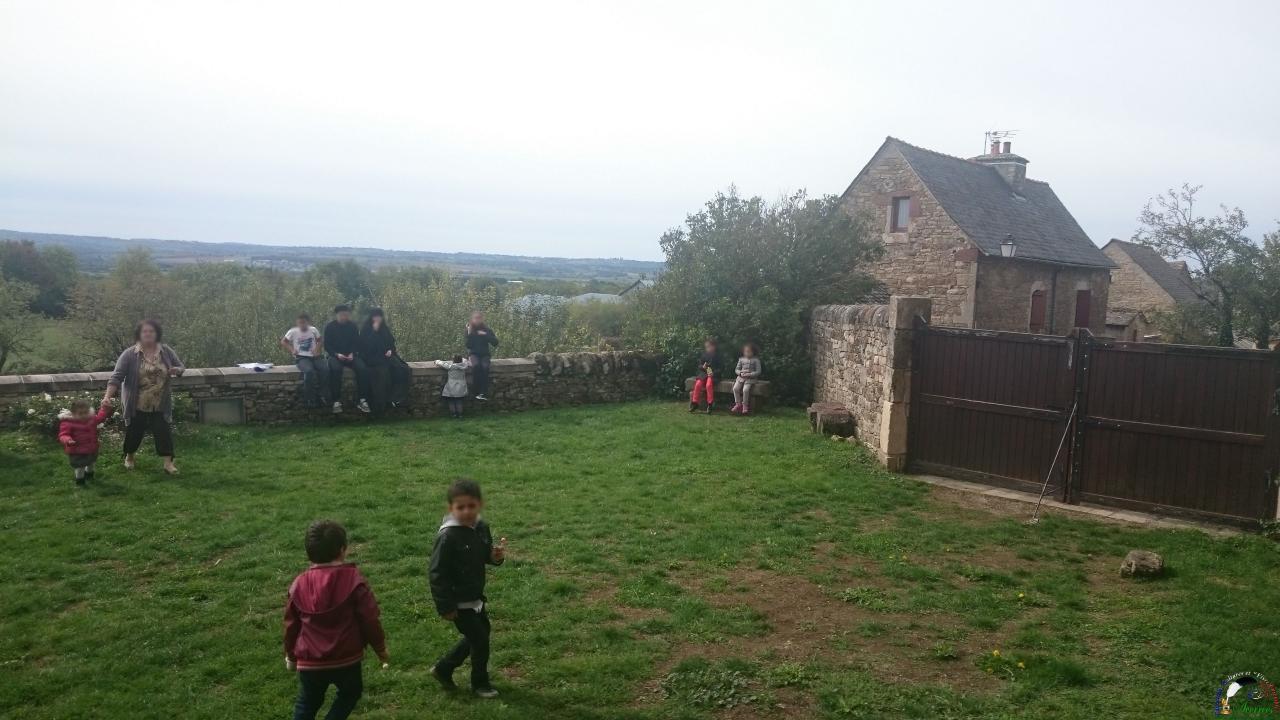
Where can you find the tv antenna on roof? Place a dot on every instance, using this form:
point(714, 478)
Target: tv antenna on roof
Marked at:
point(993, 136)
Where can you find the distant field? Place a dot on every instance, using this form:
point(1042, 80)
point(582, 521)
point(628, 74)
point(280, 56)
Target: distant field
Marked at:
point(96, 254)
point(55, 347)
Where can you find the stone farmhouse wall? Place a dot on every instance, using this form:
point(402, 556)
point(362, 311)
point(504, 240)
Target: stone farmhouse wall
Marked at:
point(933, 258)
point(538, 381)
point(1131, 287)
point(862, 360)
point(1004, 296)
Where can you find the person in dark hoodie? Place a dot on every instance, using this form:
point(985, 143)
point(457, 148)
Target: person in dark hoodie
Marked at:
point(388, 374)
point(330, 617)
point(342, 343)
point(480, 344)
point(463, 547)
point(704, 383)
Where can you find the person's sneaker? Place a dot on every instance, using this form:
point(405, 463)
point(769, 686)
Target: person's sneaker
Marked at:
point(708, 410)
point(482, 398)
point(745, 411)
point(693, 407)
point(337, 408)
point(737, 408)
point(446, 681)
point(363, 406)
point(88, 476)
point(80, 481)
point(485, 691)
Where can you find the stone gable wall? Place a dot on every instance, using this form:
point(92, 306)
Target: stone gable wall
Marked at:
point(1131, 287)
point(933, 258)
point(538, 381)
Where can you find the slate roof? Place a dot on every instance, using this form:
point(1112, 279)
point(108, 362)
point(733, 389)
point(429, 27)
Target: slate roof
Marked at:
point(986, 208)
point(1171, 278)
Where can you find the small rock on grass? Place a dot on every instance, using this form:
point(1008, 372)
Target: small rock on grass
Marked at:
point(1142, 563)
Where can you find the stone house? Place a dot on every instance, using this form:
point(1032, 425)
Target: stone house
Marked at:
point(1144, 284)
point(991, 247)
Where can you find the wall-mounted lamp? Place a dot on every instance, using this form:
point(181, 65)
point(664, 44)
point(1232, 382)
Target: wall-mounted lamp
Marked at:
point(1008, 248)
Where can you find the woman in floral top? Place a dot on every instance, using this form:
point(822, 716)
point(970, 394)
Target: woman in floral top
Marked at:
point(142, 378)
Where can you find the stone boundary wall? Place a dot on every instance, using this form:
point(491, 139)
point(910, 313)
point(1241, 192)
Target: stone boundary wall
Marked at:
point(862, 360)
point(538, 381)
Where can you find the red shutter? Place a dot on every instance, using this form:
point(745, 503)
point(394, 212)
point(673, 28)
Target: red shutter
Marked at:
point(1083, 298)
point(1037, 311)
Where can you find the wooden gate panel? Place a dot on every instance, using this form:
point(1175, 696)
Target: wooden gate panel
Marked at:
point(989, 406)
point(1180, 429)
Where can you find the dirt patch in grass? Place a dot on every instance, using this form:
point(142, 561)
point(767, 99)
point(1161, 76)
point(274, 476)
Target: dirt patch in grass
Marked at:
point(811, 625)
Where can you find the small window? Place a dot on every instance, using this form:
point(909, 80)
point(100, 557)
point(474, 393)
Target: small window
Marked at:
point(900, 214)
point(1083, 299)
point(1037, 311)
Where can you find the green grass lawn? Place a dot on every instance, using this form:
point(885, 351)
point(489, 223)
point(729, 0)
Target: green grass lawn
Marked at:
point(663, 565)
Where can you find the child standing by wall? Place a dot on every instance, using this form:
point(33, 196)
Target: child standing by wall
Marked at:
point(78, 433)
point(748, 369)
point(480, 344)
point(455, 387)
point(704, 383)
point(330, 617)
point(463, 547)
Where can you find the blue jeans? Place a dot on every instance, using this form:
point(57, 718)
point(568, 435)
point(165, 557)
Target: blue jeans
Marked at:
point(313, 684)
point(310, 368)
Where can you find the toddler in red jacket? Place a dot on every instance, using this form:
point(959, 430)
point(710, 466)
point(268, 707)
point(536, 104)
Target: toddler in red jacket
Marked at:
point(330, 617)
point(78, 433)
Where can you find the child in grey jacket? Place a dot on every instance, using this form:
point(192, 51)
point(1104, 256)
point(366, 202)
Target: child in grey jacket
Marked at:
point(748, 369)
point(455, 387)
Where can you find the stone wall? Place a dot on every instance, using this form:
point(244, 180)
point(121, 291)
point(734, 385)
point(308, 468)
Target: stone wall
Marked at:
point(1004, 295)
point(539, 381)
point(933, 258)
point(1131, 287)
point(862, 360)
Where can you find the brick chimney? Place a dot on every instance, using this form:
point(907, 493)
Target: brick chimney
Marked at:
point(1013, 168)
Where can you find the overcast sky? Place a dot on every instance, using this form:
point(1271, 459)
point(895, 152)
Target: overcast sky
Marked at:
point(586, 129)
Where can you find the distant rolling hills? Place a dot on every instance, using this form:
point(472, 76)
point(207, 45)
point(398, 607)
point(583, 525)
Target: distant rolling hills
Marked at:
point(96, 254)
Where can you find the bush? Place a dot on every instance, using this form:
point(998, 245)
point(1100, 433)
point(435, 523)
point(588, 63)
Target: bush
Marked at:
point(744, 270)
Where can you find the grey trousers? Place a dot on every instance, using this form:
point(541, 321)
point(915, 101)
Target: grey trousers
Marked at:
point(742, 390)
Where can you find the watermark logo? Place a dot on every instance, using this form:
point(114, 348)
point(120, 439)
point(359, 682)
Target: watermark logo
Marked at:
point(1247, 694)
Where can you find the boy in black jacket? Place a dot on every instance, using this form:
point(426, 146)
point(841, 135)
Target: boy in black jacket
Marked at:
point(463, 547)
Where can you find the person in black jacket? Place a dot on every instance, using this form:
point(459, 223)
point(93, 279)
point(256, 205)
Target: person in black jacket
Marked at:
point(463, 547)
point(480, 344)
point(342, 344)
point(388, 374)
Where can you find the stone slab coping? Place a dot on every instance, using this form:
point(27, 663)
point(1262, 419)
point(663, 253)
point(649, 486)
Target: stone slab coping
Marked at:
point(196, 377)
point(760, 389)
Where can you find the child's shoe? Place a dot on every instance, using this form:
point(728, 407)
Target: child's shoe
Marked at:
point(363, 406)
point(446, 681)
point(80, 481)
point(693, 407)
point(737, 408)
point(745, 411)
point(485, 691)
point(709, 406)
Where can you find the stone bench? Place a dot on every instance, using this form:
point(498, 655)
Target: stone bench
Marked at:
point(830, 418)
point(759, 391)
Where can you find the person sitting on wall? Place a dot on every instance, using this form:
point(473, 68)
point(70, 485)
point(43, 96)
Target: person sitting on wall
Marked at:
point(480, 344)
point(704, 384)
point(304, 342)
point(342, 342)
point(388, 374)
point(748, 371)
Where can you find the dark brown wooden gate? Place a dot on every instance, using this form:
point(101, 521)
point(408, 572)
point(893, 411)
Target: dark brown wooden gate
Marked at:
point(990, 406)
point(1165, 428)
point(1173, 428)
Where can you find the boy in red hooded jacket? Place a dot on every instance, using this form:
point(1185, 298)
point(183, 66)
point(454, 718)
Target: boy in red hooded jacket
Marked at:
point(330, 617)
point(78, 433)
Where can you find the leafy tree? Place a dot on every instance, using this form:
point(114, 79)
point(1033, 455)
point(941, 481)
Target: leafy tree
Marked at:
point(51, 272)
point(354, 281)
point(107, 309)
point(746, 270)
point(1214, 246)
point(1259, 279)
point(16, 320)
